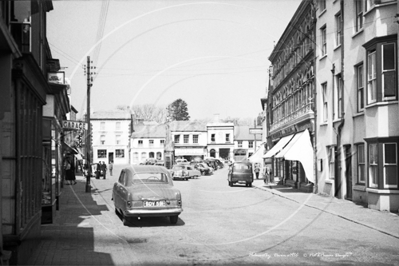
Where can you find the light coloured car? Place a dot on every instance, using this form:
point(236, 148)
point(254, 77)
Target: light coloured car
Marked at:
point(146, 190)
point(192, 171)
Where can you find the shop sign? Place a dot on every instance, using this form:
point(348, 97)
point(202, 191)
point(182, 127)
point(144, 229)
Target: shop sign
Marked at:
point(73, 125)
point(56, 77)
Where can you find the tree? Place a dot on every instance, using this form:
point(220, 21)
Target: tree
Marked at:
point(147, 112)
point(178, 111)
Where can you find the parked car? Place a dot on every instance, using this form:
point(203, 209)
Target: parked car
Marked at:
point(179, 171)
point(182, 161)
point(240, 172)
point(202, 167)
point(211, 164)
point(192, 172)
point(151, 161)
point(144, 190)
point(160, 163)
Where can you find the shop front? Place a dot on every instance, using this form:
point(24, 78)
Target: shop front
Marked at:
point(190, 153)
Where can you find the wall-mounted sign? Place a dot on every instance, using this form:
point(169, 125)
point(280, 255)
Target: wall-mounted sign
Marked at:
point(56, 77)
point(255, 130)
point(73, 125)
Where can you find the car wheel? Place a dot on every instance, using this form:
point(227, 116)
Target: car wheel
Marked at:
point(250, 184)
point(230, 184)
point(173, 219)
point(125, 221)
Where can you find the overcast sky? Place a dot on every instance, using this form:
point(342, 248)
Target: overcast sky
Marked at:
point(212, 54)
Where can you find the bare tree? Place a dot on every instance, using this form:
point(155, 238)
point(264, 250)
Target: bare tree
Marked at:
point(147, 112)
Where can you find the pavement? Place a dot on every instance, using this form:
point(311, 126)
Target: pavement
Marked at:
point(76, 238)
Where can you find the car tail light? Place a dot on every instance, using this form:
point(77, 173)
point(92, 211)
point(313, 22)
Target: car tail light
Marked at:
point(129, 204)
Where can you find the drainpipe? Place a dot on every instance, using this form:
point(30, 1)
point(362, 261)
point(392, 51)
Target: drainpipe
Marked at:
point(338, 151)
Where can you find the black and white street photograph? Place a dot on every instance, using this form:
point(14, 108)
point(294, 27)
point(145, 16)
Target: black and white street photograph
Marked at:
point(199, 132)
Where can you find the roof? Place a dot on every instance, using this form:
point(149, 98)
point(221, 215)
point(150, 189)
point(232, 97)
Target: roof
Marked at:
point(187, 126)
point(242, 133)
point(113, 114)
point(147, 168)
point(149, 131)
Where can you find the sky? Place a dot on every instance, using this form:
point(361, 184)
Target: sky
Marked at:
point(211, 54)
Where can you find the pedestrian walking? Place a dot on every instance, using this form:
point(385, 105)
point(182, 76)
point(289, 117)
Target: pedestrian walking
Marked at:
point(69, 167)
point(98, 170)
point(257, 170)
point(110, 167)
point(103, 168)
point(267, 176)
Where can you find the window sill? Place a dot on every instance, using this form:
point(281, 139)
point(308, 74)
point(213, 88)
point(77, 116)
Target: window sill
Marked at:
point(322, 12)
point(338, 120)
point(377, 104)
point(324, 56)
point(358, 114)
point(337, 47)
point(324, 124)
point(374, 7)
point(329, 181)
point(382, 191)
point(357, 33)
point(359, 187)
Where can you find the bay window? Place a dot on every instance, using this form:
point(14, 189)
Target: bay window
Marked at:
point(383, 163)
point(381, 69)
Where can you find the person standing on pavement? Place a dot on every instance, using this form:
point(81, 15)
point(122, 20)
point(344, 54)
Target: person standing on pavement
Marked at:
point(69, 171)
point(257, 170)
point(103, 167)
point(110, 167)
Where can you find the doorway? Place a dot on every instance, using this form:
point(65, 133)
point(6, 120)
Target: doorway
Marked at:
point(348, 171)
point(110, 157)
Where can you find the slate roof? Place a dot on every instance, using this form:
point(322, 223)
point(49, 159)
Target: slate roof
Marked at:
point(242, 133)
point(149, 131)
point(187, 126)
point(112, 115)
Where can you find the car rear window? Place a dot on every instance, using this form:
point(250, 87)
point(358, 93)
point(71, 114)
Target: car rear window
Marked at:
point(148, 178)
point(241, 167)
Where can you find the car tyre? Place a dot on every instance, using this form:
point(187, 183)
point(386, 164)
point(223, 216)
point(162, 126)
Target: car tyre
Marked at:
point(250, 184)
point(173, 219)
point(125, 220)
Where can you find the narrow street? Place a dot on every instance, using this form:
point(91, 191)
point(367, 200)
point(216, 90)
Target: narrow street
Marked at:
point(219, 225)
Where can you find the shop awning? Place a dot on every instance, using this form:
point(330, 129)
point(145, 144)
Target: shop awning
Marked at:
point(278, 147)
point(70, 149)
point(257, 156)
point(300, 149)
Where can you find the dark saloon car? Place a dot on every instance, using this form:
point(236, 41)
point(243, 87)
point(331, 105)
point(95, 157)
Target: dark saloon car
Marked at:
point(240, 172)
point(146, 190)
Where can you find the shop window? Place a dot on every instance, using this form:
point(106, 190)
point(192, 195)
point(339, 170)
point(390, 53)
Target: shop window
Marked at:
point(120, 153)
point(361, 164)
point(101, 153)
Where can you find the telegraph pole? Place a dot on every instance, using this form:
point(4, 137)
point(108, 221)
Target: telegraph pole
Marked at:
point(88, 70)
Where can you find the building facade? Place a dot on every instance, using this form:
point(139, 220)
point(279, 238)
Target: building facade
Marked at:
point(220, 140)
point(245, 144)
point(357, 124)
point(148, 141)
point(189, 139)
point(111, 136)
point(25, 61)
point(291, 104)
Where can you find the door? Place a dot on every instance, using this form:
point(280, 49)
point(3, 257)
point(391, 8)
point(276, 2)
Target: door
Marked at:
point(348, 171)
point(110, 157)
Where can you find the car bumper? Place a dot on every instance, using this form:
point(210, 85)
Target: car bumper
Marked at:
point(153, 213)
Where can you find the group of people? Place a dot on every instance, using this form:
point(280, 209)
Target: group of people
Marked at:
point(100, 169)
point(266, 173)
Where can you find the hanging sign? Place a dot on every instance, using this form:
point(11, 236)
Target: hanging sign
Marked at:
point(73, 125)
